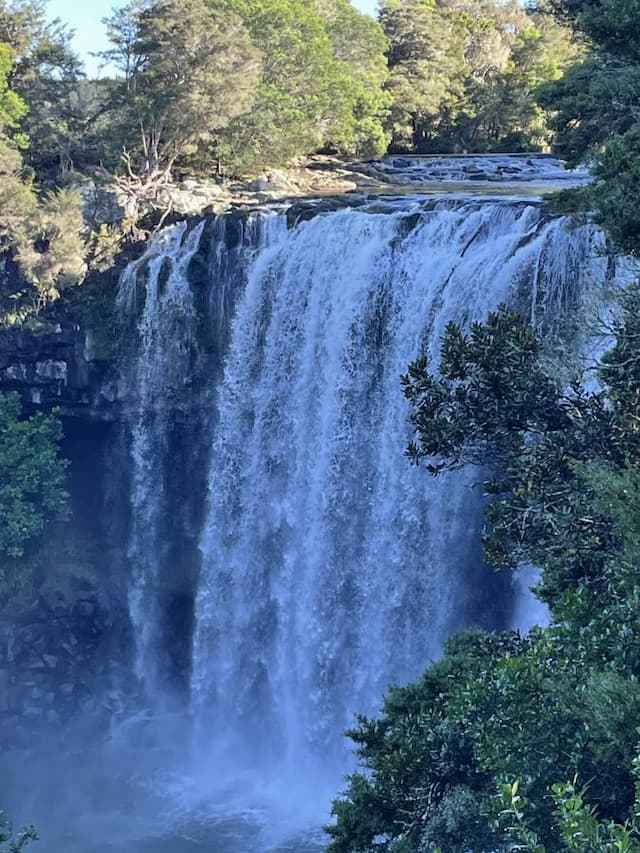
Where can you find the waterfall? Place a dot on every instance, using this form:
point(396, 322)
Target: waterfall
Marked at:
point(267, 430)
point(172, 331)
point(159, 369)
point(330, 566)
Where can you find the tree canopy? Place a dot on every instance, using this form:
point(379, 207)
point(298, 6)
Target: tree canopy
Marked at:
point(42, 231)
point(257, 83)
point(188, 69)
point(596, 108)
point(463, 75)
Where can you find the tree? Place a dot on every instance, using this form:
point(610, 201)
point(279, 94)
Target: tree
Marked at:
point(493, 401)
point(43, 236)
point(190, 68)
point(597, 111)
point(12, 107)
point(463, 73)
point(302, 98)
point(425, 65)
point(580, 828)
point(298, 75)
point(359, 48)
point(612, 25)
point(44, 74)
point(32, 485)
point(564, 702)
point(504, 112)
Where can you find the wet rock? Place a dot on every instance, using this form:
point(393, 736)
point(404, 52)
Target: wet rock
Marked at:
point(51, 369)
point(61, 661)
point(59, 367)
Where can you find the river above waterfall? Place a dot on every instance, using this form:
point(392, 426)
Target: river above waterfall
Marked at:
point(285, 564)
point(422, 169)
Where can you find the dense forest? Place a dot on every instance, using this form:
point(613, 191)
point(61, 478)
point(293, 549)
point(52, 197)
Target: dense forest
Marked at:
point(509, 742)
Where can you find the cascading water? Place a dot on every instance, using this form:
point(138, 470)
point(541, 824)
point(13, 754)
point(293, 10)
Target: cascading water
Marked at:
point(331, 567)
point(267, 425)
point(160, 366)
point(172, 336)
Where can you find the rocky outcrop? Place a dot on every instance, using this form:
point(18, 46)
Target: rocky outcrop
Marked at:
point(62, 659)
point(106, 200)
point(60, 367)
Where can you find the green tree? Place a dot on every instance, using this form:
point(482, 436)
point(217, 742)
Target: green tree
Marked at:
point(597, 111)
point(579, 826)
point(493, 401)
point(612, 25)
point(301, 100)
point(425, 64)
point(32, 485)
point(260, 81)
point(12, 107)
point(45, 236)
point(44, 74)
point(463, 74)
point(190, 68)
point(563, 703)
point(359, 48)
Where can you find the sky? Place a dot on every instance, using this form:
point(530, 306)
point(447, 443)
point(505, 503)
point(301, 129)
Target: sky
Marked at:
point(84, 16)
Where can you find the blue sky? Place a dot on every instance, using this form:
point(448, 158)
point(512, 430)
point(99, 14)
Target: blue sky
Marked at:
point(84, 16)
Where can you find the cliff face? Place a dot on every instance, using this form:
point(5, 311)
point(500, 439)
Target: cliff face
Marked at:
point(62, 658)
point(65, 643)
point(66, 646)
point(60, 368)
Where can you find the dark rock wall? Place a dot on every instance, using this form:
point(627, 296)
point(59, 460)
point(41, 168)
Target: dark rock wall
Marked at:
point(61, 660)
point(66, 644)
point(59, 367)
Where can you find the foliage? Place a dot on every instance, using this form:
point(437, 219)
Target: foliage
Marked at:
point(44, 235)
point(189, 69)
point(253, 82)
point(580, 829)
point(32, 484)
point(12, 107)
point(463, 74)
point(421, 774)
point(256, 83)
point(297, 85)
point(612, 25)
point(359, 47)
point(563, 703)
point(322, 76)
point(44, 75)
point(10, 843)
point(494, 401)
point(597, 111)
